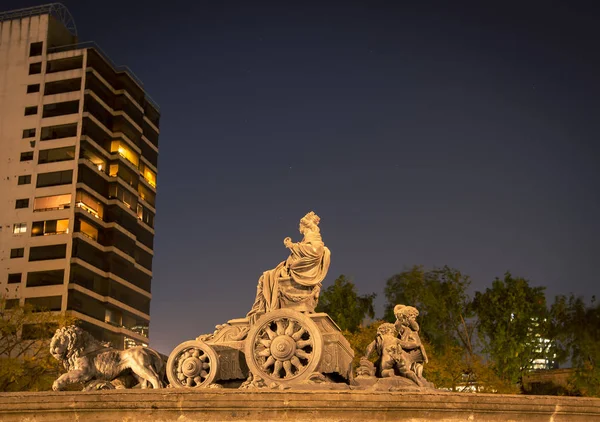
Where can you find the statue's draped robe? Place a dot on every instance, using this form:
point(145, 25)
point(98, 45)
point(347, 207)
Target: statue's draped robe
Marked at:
point(307, 265)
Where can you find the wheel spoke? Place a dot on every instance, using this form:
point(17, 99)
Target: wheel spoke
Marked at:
point(205, 365)
point(296, 362)
point(270, 333)
point(277, 368)
point(290, 328)
point(268, 363)
point(287, 365)
point(264, 353)
point(303, 343)
point(190, 381)
point(198, 380)
point(280, 327)
point(298, 334)
point(302, 354)
point(203, 374)
point(265, 342)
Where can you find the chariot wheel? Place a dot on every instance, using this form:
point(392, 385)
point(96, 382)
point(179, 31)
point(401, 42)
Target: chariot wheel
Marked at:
point(284, 346)
point(192, 364)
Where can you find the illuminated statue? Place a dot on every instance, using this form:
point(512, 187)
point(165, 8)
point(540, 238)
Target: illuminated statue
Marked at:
point(399, 348)
point(296, 282)
point(101, 366)
point(408, 332)
point(283, 342)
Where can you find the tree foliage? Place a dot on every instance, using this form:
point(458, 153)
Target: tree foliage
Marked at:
point(448, 323)
point(360, 339)
point(576, 328)
point(25, 360)
point(455, 369)
point(344, 305)
point(511, 318)
point(441, 298)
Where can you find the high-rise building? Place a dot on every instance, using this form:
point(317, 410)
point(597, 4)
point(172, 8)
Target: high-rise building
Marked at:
point(78, 167)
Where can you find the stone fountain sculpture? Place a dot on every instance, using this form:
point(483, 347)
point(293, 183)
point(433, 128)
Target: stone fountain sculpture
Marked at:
point(100, 366)
point(281, 342)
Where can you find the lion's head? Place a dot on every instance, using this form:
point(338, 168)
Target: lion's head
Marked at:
point(70, 341)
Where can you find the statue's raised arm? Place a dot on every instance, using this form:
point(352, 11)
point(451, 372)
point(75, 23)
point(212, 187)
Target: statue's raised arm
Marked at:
point(296, 282)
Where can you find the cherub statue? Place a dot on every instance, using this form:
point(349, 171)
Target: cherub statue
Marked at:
point(408, 332)
point(399, 348)
point(295, 282)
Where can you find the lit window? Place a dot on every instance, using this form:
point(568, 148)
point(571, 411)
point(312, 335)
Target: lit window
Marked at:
point(147, 195)
point(48, 227)
point(124, 151)
point(88, 230)
point(20, 228)
point(90, 204)
point(149, 176)
point(54, 202)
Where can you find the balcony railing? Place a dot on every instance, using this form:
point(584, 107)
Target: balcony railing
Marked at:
point(98, 167)
point(88, 209)
point(60, 207)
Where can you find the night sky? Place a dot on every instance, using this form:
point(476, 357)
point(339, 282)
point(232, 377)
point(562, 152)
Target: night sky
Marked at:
point(421, 133)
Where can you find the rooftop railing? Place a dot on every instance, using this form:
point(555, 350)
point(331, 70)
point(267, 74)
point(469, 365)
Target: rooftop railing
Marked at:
point(58, 10)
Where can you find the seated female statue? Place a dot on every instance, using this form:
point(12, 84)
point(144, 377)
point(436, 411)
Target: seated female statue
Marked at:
point(296, 282)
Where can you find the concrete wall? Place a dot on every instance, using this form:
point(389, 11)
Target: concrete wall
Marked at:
point(16, 37)
point(224, 405)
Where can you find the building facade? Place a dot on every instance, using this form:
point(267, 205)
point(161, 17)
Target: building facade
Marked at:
point(78, 169)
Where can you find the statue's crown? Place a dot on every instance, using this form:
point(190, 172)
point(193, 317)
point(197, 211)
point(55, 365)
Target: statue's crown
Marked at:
point(312, 217)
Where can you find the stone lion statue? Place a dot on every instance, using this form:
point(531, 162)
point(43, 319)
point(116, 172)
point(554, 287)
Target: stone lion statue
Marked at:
point(87, 359)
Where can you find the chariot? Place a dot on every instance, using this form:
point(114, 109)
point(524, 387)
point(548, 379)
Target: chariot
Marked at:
point(284, 346)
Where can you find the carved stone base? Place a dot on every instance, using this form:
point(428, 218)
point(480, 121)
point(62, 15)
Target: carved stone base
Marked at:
point(207, 404)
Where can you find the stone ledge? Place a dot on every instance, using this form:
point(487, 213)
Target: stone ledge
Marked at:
point(226, 405)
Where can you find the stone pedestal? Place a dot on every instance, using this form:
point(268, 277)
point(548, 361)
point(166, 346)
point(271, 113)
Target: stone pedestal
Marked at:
point(187, 405)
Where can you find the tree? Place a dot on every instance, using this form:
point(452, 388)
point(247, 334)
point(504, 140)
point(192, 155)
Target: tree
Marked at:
point(344, 305)
point(576, 328)
point(447, 325)
point(360, 339)
point(25, 360)
point(511, 317)
point(441, 298)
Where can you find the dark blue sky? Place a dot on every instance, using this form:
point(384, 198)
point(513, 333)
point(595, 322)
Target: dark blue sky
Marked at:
point(459, 133)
